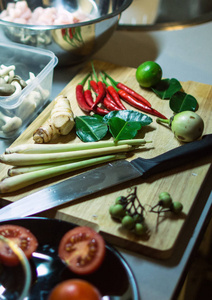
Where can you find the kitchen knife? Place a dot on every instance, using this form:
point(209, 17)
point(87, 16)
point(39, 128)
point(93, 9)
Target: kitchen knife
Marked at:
point(103, 177)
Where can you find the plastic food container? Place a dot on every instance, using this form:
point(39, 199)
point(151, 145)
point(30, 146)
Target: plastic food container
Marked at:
point(35, 68)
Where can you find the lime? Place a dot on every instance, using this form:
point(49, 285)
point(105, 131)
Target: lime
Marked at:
point(148, 74)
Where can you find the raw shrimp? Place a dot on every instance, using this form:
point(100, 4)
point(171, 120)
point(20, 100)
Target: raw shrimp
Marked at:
point(19, 12)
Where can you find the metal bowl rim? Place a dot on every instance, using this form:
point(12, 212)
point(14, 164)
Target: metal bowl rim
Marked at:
point(79, 24)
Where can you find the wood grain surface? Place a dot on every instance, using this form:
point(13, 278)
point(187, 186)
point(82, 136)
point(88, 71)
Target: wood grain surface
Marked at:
point(183, 183)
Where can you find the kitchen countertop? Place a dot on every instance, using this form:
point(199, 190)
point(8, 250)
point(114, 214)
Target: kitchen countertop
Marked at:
point(186, 55)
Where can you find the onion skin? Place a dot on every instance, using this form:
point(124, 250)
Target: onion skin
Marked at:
point(187, 126)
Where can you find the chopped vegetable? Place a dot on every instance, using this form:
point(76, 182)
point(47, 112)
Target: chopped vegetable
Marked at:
point(60, 122)
point(14, 248)
point(22, 237)
point(82, 249)
point(187, 126)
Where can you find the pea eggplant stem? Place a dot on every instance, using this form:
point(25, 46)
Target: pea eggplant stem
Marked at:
point(162, 120)
point(11, 184)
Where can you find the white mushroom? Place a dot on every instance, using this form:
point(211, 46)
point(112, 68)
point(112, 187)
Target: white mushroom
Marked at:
point(44, 93)
point(5, 70)
point(28, 105)
point(9, 124)
point(18, 87)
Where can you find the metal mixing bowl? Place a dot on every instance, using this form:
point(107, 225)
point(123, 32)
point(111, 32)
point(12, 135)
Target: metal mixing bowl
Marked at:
point(71, 43)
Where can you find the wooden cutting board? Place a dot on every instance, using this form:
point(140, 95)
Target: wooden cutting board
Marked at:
point(183, 183)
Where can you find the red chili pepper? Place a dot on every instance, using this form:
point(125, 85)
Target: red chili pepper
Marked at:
point(115, 97)
point(88, 95)
point(128, 90)
point(89, 99)
point(63, 31)
point(112, 94)
point(133, 93)
point(101, 89)
point(109, 98)
point(137, 104)
point(101, 94)
point(71, 32)
point(101, 111)
point(94, 86)
point(81, 97)
point(110, 105)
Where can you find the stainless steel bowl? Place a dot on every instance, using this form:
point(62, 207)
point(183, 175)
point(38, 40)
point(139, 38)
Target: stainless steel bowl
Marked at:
point(71, 43)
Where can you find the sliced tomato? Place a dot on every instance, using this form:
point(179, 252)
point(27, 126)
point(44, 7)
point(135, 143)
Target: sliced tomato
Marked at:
point(75, 289)
point(22, 237)
point(82, 249)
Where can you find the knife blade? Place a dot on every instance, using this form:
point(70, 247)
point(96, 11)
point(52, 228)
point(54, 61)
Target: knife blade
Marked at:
point(103, 177)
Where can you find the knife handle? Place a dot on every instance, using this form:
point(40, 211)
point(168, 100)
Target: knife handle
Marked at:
point(174, 158)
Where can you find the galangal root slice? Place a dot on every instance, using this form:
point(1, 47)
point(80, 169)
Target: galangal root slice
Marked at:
point(60, 122)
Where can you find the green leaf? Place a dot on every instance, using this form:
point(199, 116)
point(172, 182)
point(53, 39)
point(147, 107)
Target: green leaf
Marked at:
point(90, 128)
point(129, 116)
point(166, 88)
point(182, 102)
point(122, 130)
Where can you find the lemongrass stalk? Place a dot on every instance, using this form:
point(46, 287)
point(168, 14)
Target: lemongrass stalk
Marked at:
point(48, 148)
point(11, 184)
point(19, 159)
point(14, 171)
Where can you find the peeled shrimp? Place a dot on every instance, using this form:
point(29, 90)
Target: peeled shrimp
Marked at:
point(19, 12)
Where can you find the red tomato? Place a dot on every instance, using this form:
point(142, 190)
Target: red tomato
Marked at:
point(74, 289)
point(22, 237)
point(82, 249)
